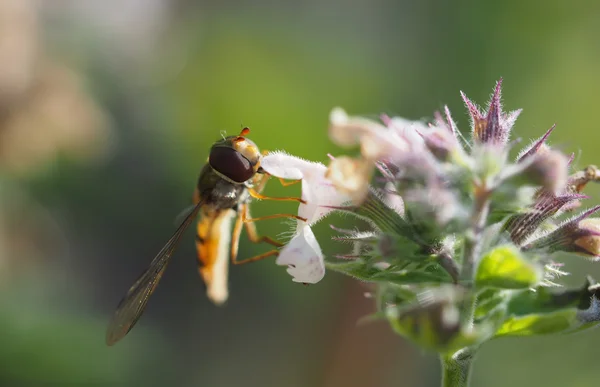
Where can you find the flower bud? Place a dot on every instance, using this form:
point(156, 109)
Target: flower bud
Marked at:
point(580, 235)
point(549, 169)
point(589, 241)
point(440, 142)
point(522, 226)
point(494, 125)
point(538, 145)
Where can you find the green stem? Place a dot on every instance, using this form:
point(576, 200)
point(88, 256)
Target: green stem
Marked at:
point(472, 251)
point(456, 368)
point(473, 241)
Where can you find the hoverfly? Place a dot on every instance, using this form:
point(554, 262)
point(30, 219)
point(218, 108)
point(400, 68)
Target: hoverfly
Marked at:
point(227, 182)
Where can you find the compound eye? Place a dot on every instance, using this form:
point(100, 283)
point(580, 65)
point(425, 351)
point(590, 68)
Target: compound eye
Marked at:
point(231, 163)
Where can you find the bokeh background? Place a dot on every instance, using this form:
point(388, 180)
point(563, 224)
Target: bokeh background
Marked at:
point(108, 109)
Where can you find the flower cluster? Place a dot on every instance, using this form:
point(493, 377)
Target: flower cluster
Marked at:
point(462, 239)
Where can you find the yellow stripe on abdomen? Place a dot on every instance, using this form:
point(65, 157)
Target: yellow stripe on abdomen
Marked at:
point(212, 245)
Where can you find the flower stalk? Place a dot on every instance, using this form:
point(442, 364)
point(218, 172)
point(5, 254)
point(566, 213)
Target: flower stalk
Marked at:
point(472, 250)
point(456, 369)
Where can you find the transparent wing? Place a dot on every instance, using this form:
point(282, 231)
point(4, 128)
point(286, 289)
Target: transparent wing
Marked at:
point(184, 214)
point(133, 304)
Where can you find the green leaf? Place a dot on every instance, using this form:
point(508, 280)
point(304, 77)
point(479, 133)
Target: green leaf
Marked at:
point(539, 324)
point(542, 312)
point(505, 267)
point(366, 272)
point(410, 277)
point(355, 268)
point(543, 300)
point(375, 211)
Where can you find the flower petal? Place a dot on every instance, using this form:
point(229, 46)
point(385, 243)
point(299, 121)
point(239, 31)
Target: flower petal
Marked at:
point(411, 131)
point(376, 141)
point(320, 194)
point(348, 131)
point(303, 256)
point(280, 164)
point(317, 191)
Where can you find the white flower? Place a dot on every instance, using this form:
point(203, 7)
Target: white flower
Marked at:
point(376, 141)
point(303, 254)
point(412, 131)
point(317, 190)
point(303, 257)
point(394, 140)
point(345, 180)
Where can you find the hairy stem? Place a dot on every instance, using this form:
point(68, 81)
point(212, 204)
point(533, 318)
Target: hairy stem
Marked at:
point(472, 243)
point(472, 250)
point(456, 368)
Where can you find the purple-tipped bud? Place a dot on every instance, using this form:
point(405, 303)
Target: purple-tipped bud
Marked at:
point(446, 121)
point(580, 235)
point(537, 145)
point(550, 169)
point(440, 142)
point(450, 121)
point(494, 126)
point(522, 226)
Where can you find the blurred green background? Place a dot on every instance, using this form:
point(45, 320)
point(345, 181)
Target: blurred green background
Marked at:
point(108, 109)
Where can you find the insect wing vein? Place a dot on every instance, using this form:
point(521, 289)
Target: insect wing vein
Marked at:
point(133, 304)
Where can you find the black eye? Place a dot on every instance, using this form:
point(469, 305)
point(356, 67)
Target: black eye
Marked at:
point(231, 164)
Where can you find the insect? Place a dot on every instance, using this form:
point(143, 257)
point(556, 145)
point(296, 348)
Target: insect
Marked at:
point(228, 181)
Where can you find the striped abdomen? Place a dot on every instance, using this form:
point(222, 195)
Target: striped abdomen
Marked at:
point(213, 232)
point(213, 239)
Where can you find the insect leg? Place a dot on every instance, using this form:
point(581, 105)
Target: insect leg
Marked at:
point(276, 216)
point(257, 195)
point(252, 234)
point(260, 181)
point(288, 183)
point(256, 258)
point(251, 229)
point(245, 220)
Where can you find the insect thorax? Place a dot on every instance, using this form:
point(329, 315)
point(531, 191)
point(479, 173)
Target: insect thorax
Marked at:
point(218, 192)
